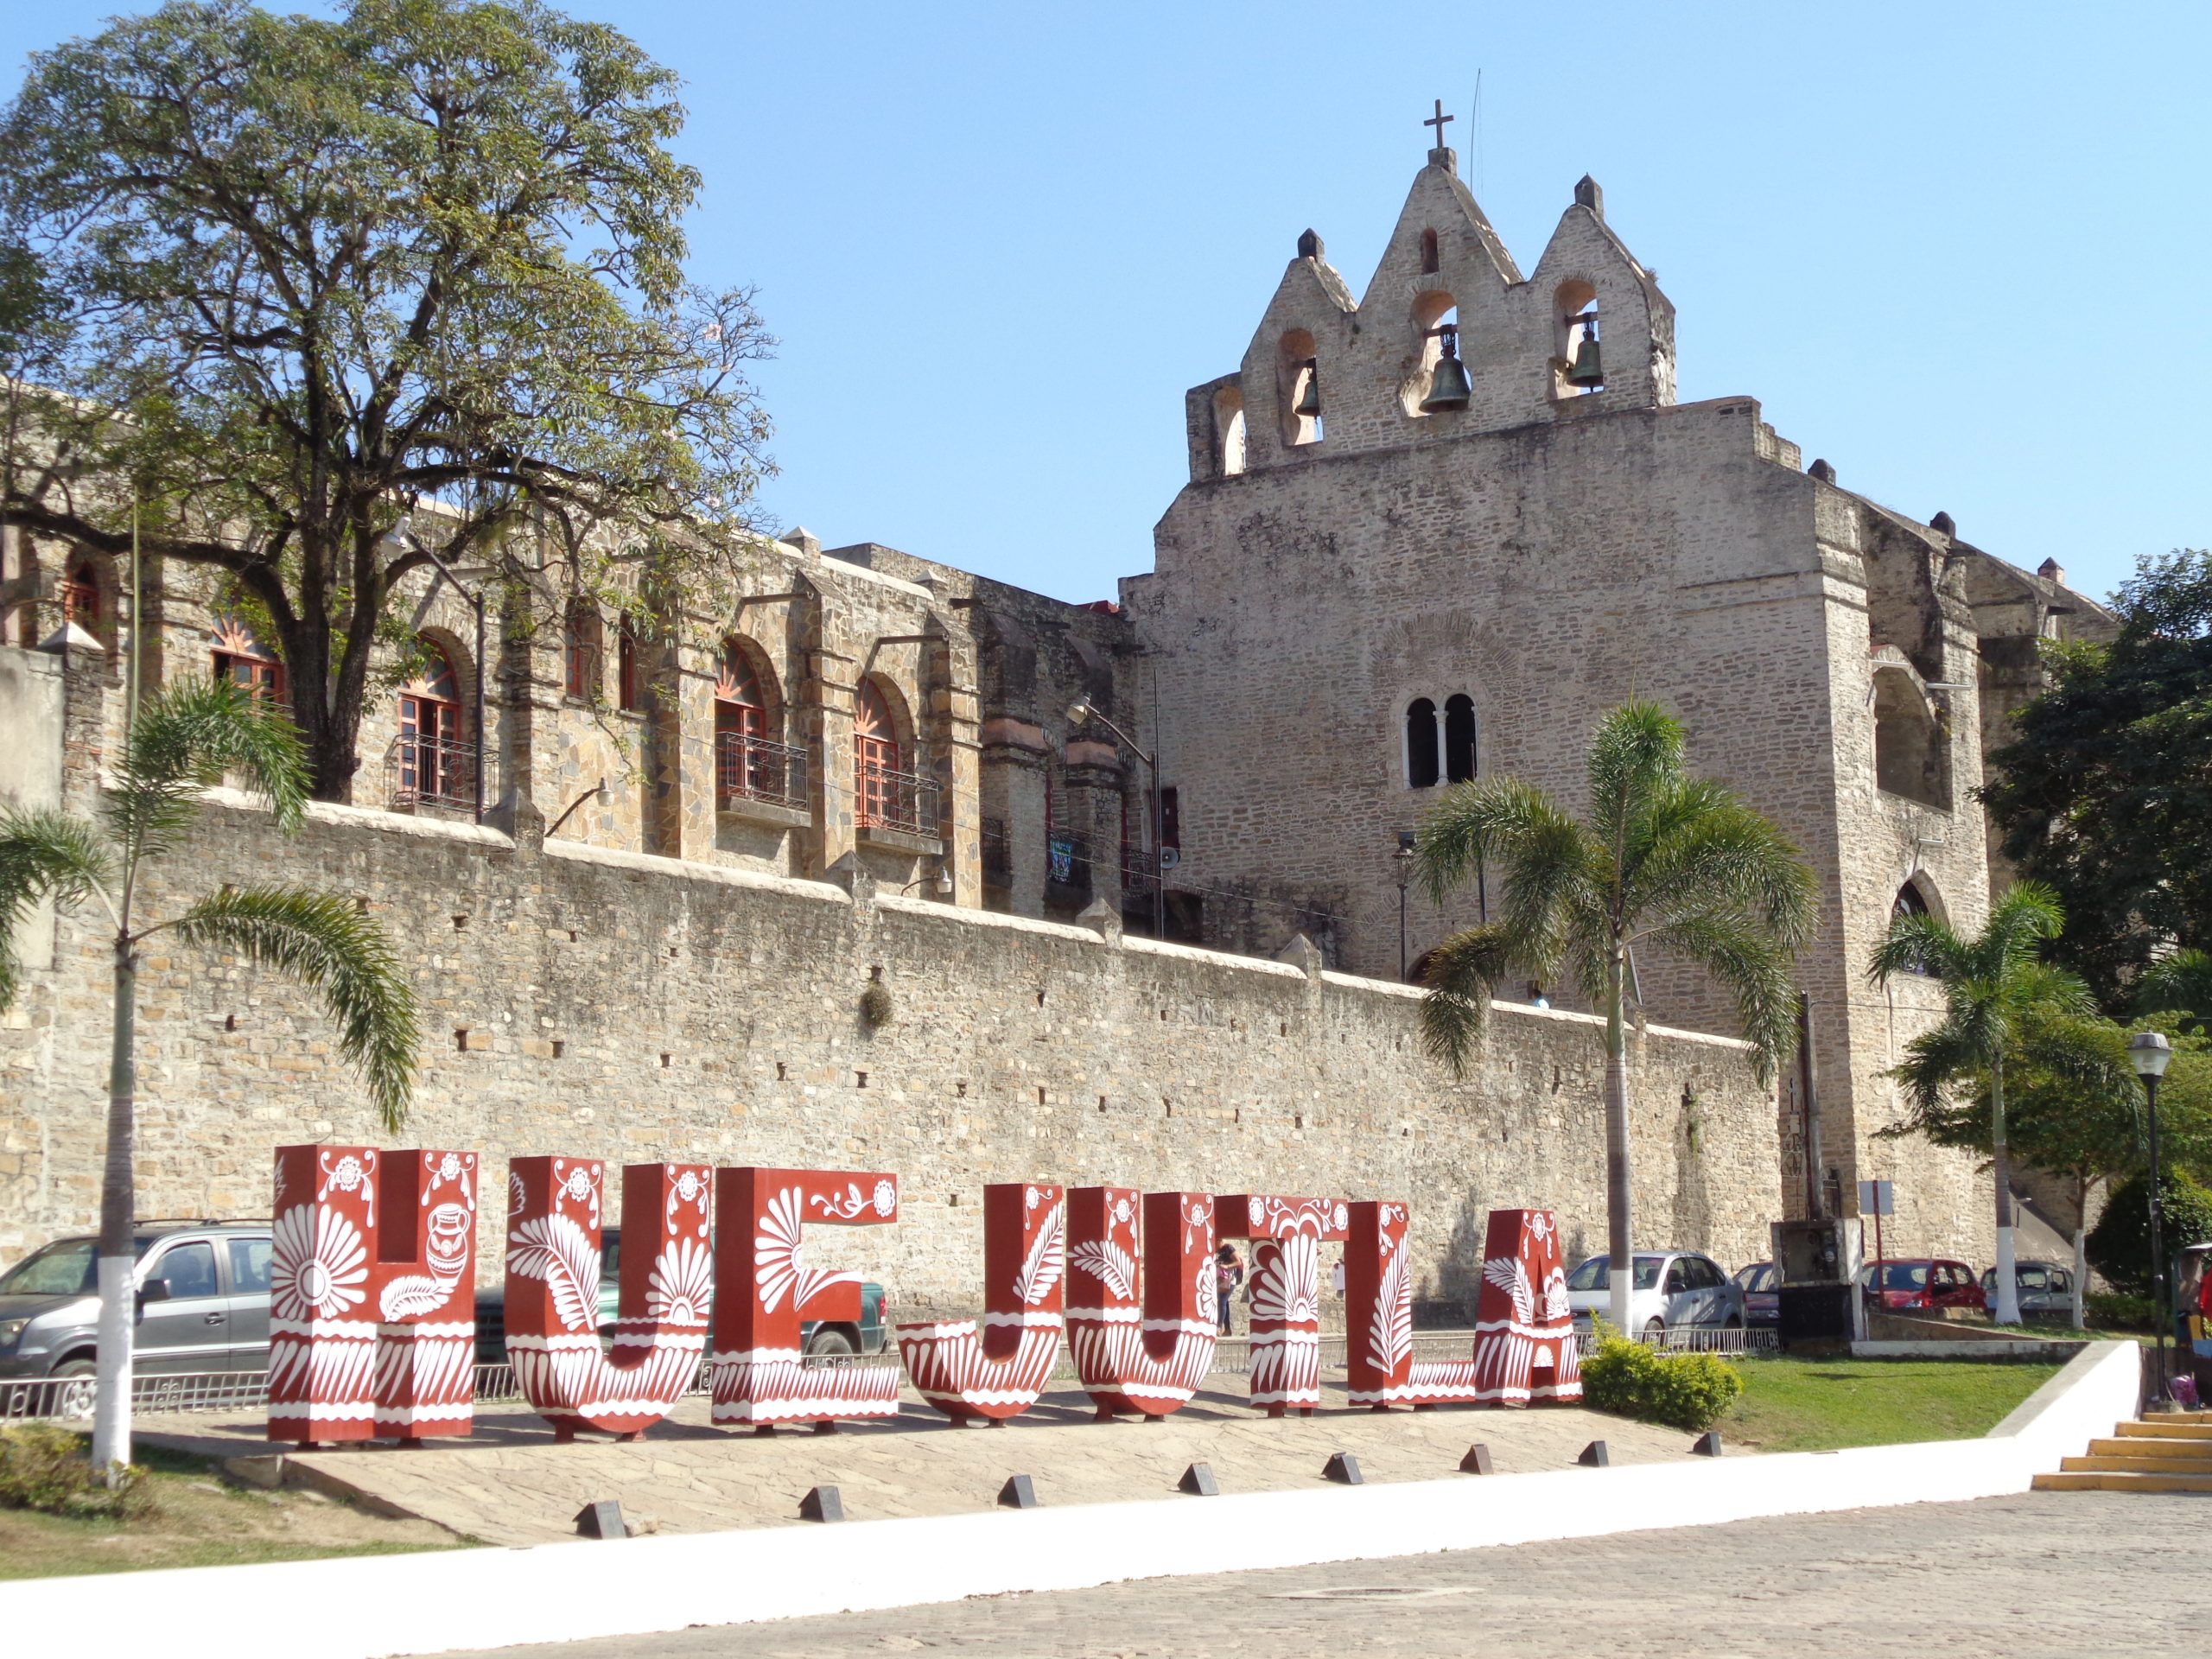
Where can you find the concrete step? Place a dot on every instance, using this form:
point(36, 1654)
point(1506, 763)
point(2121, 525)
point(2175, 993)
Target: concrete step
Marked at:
point(2106, 1465)
point(2087, 1481)
point(2181, 1425)
point(2138, 1446)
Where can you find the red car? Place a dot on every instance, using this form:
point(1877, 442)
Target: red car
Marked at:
point(1916, 1285)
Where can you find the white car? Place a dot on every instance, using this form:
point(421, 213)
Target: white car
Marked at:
point(1672, 1288)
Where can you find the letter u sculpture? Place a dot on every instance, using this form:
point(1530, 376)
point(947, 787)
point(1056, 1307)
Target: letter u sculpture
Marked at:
point(1149, 1358)
point(997, 1369)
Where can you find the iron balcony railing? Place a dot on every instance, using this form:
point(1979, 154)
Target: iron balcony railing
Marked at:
point(430, 771)
point(749, 768)
point(905, 801)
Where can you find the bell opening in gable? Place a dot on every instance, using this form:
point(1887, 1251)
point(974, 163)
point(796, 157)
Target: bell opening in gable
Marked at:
point(1577, 366)
point(1439, 384)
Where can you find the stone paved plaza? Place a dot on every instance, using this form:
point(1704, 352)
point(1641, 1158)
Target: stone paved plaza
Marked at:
point(2045, 1576)
point(511, 1485)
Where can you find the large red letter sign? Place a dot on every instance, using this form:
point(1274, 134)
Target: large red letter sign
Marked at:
point(1524, 1332)
point(999, 1372)
point(1286, 1235)
point(764, 1293)
point(668, 1282)
point(1150, 1360)
point(1379, 1359)
point(369, 1342)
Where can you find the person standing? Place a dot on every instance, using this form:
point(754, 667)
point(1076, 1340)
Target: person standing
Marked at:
point(1228, 1274)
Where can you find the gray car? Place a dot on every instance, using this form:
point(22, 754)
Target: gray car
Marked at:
point(202, 1294)
point(2045, 1289)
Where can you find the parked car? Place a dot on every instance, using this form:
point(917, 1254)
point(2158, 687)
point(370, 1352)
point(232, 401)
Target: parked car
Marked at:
point(1761, 1288)
point(1919, 1284)
point(825, 1339)
point(2045, 1289)
point(202, 1291)
point(1671, 1288)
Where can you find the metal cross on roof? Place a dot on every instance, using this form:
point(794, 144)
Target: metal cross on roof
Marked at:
point(1437, 121)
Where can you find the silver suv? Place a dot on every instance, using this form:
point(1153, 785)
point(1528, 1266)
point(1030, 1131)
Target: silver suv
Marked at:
point(203, 1302)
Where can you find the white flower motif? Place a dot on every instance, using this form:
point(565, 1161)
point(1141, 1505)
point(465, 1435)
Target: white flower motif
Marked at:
point(1343, 1217)
point(578, 1185)
point(1256, 1211)
point(348, 1175)
point(688, 1185)
point(449, 1167)
point(554, 1248)
point(1122, 1212)
point(319, 1266)
point(682, 1289)
point(887, 1197)
point(777, 1266)
point(1030, 1194)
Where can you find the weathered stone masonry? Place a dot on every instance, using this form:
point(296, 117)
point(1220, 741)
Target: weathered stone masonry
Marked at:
point(633, 1007)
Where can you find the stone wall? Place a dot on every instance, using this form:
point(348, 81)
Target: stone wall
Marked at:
point(618, 1005)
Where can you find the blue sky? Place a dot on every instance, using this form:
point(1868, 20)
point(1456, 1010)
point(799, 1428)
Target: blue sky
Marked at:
point(1960, 250)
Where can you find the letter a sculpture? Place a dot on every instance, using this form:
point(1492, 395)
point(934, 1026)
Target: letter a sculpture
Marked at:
point(1379, 1361)
point(999, 1369)
point(766, 1293)
point(1525, 1346)
point(1149, 1358)
point(1287, 1236)
point(371, 1325)
point(667, 1291)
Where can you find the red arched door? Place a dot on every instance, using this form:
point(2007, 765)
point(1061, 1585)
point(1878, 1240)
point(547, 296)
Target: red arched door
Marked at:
point(876, 762)
point(432, 763)
point(742, 765)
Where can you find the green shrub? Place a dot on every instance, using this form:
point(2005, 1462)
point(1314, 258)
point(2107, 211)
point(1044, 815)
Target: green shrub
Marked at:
point(1688, 1391)
point(2118, 1310)
point(2119, 1245)
point(51, 1470)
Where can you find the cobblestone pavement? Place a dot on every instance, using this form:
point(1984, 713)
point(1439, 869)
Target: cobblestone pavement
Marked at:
point(2035, 1577)
point(511, 1485)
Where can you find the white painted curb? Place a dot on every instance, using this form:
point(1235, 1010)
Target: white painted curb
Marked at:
point(368, 1607)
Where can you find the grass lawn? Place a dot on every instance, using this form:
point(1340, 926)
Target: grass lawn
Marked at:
point(1818, 1405)
point(200, 1521)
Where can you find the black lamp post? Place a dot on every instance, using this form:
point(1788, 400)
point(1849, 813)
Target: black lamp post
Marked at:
point(2151, 1051)
point(1403, 859)
point(1080, 712)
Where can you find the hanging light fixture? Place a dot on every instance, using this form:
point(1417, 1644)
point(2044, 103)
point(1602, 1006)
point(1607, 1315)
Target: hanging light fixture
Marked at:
point(1447, 387)
point(1585, 372)
point(1309, 401)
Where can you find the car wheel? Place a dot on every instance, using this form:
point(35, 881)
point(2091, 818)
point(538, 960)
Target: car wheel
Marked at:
point(76, 1392)
point(1732, 1324)
point(1656, 1328)
point(831, 1345)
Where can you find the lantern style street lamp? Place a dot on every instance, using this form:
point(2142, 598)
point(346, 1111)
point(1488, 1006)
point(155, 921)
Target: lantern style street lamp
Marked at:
point(2149, 1051)
point(1403, 860)
point(1081, 713)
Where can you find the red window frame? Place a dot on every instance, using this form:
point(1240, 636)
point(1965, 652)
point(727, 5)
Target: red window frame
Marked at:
point(429, 731)
point(875, 753)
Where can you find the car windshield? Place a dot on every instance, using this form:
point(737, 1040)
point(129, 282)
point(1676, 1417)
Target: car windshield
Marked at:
point(65, 1268)
point(1591, 1274)
point(1905, 1275)
point(1756, 1277)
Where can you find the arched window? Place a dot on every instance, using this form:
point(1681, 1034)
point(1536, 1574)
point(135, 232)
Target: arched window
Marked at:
point(1299, 377)
point(1229, 430)
point(1458, 738)
point(1429, 259)
point(80, 596)
point(1910, 756)
point(886, 795)
point(1576, 361)
point(629, 669)
point(1910, 901)
point(435, 767)
point(240, 656)
point(1421, 768)
point(749, 764)
point(1439, 383)
point(580, 649)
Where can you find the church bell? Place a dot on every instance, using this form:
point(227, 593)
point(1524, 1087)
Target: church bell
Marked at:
point(1309, 401)
point(1585, 372)
point(1447, 387)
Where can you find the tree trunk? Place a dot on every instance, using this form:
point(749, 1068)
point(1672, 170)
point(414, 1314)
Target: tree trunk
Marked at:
point(2007, 1311)
point(1619, 1245)
point(117, 1262)
point(2081, 1250)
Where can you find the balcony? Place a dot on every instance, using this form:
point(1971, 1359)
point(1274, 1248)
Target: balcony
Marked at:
point(896, 809)
point(436, 773)
point(755, 779)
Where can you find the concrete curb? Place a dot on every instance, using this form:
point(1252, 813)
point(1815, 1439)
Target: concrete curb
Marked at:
point(368, 1607)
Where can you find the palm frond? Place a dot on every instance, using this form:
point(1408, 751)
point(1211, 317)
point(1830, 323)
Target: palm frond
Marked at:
point(187, 735)
point(1637, 751)
point(2180, 984)
point(320, 940)
point(1934, 1060)
point(1708, 850)
point(1490, 821)
point(1757, 969)
point(2019, 921)
point(1463, 974)
point(1923, 945)
point(44, 854)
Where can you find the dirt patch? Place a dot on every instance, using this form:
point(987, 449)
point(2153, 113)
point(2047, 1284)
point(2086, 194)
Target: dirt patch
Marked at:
point(200, 1521)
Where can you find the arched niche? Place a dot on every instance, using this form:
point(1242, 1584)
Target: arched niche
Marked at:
point(1912, 756)
point(1435, 320)
point(1575, 324)
point(1299, 387)
point(1228, 431)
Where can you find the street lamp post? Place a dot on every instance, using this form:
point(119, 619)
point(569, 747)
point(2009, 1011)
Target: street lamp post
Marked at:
point(2149, 1051)
point(1403, 858)
point(1080, 712)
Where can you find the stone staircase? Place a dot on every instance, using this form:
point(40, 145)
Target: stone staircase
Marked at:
point(2168, 1453)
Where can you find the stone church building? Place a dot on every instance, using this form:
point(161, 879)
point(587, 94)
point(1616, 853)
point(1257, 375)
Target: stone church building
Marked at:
point(1432, 532)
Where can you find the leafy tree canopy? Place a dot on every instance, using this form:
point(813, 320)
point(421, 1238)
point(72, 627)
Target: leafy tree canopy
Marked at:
point(421, 260)
point(2106, 794)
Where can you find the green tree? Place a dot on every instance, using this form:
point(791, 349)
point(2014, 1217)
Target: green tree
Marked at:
point(184, 739)
point(343, 293)
point(2119, 1245)
point(2180, 984)
point(1674, 863)
point(1994, 985)
point(2105, 796)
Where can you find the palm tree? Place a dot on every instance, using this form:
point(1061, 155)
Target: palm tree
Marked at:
point(2180, 984)
point(1994, 985)
point(1669, 862)
point(183, 740)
